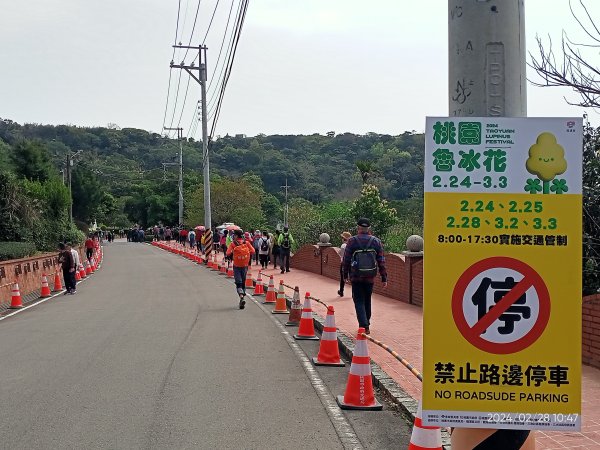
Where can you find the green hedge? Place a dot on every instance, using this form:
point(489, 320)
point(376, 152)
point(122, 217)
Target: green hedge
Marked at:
point(16, 250)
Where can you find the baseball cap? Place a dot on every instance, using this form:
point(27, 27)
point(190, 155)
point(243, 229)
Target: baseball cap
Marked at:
point(363, 222)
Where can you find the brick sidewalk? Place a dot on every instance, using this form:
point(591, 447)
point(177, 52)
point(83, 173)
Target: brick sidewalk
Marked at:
point(399, 325)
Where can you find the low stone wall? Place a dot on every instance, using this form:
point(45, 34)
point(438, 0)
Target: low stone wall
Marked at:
point(27, 272)
point(405, 272)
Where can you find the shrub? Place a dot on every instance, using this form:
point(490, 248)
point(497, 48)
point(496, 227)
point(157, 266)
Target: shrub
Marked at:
point(16, 250)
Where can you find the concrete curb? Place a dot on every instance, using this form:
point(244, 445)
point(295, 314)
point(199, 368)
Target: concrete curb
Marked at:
point(381, 380)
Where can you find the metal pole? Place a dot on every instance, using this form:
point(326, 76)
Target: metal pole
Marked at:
point(206, 171)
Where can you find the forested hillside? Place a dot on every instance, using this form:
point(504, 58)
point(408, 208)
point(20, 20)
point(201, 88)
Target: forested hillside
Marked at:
point(121, 170)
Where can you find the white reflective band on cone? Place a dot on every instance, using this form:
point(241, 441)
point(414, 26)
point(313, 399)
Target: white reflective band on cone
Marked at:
point(361, 348)
point(330, 321)
point(329, 336)
point(307, 315)
point(426, 438)
point(362, 370)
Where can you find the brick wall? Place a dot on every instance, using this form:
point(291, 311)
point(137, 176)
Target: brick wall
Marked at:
point(591, 330)
point(27, 272)
point(405, 273)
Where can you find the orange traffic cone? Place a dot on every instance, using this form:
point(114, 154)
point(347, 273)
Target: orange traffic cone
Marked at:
point(249, 282)
point(93, 264)
point(223, 267)
point(15, 297)
point(359, 389)
point(258, 288)
point(77, 276)
point(280, 304)
point(306, 331)
point(88, 268)
point(81, 271)
point(229, 270)
point(57, 282)
point(329, 352)
point(424, 438)
point(45, 292)
point(271, 296)
point(295, 309)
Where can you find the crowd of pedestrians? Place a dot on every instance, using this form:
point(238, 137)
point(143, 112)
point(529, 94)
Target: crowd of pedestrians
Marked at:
point(361, 257)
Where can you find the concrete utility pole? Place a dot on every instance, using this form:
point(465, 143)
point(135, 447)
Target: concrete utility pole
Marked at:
point(486, 58)
point(285, 209)
point(69, 165)
point(180, 138)
point(486, 77)
point(201, 79)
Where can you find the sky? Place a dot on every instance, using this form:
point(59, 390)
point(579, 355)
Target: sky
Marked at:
point(301, 67)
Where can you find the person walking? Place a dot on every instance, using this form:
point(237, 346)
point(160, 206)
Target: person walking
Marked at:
point(263, 250)
point(285, 242)
point(76, 262)
point(192, 238)
point(345, 236)
point(275, 248)
point(362, 258)
point(240, 251)
point(89, 247)
point(257, 236)
point(65, 258)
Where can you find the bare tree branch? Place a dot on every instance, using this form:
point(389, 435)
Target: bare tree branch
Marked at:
point(574, 71)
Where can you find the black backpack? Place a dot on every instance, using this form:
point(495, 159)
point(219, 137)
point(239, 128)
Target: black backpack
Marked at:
point(364, 260)
point(264, 245)
point(285, 242)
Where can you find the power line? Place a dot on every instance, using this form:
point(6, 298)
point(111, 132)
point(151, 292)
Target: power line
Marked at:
point(211, 21)
point(238, 32)
point(179, 79)
point(170, 70)
point(219, 78)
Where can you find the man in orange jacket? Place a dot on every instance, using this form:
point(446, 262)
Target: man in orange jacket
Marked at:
point(242, 251)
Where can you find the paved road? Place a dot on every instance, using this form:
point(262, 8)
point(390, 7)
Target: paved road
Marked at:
point(153, 353)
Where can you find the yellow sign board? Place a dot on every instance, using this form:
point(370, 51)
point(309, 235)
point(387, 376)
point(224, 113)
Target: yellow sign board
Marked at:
point(502, 273)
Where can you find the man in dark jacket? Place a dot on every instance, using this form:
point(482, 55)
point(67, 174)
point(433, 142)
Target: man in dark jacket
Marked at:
point(65, 258)
point(362, 257)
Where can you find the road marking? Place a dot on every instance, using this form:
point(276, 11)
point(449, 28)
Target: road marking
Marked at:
point(17, 311)
point(342, 427)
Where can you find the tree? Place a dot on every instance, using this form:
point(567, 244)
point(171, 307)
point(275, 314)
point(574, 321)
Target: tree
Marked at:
point(32, 161)
point(232, 200)
point(572, 68)
point(87, 193)
point(372, 206)
point(591, 209)
point(367, 169)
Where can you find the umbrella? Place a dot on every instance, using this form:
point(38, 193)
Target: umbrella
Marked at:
point(233, 227)
point(200, 228)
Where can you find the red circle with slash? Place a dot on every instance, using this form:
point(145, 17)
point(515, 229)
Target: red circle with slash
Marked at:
point(531, 279)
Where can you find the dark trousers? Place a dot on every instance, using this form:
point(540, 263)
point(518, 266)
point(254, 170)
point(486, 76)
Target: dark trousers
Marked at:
point(361, 295)
point(89, 252)
point(264, 261)
point(342, 281)
point(275, 256)
point(239, 275)
point(284, 254)
point(69, 278)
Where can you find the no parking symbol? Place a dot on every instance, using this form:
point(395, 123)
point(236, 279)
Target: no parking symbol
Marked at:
point(501, 305)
